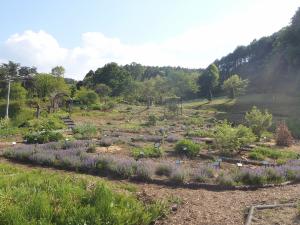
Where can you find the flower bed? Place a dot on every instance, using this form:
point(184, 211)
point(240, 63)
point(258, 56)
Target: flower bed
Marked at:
point(74, 156)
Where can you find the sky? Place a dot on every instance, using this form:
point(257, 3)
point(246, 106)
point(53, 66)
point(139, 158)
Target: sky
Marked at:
point(83, 35)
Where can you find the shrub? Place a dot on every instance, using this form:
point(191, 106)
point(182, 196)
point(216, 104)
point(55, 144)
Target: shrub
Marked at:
point(258, 121)
point(45, 124)
point(85, 131)
point(124, 168)
point(43, 137)
point(86, 96)
point(202, 174)
point(188, 148)
point(144, 171)
point(164, 169)
point(147, 152)
point(225, 180)
point(229, 139)
point(152, 120)
point(196, 121)
point(179, 175)
point(283, 135)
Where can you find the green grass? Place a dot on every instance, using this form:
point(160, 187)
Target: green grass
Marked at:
point(31, 197)
point(261, 153)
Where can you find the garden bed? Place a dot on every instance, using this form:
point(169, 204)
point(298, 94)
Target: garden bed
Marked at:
point(73, 156)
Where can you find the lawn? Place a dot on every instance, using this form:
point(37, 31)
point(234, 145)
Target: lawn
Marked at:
point(39, 197)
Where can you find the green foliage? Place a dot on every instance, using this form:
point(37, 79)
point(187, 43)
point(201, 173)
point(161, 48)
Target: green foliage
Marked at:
point(188, 148)
point(209, 80)
point(58, 71)
point(85, 131)
point(201, 133)
point(261, 153)
point(52, 122)
point(229, 139)
point(152, 120)
point(17, 92)
point(294, 126)
point(258, 121)
point(15, 108)
point(147, 152)
point(235, 86)
point(47, 84)
point(36, 197)
point(196, 121)
point(86, 96)
point(103, 90)
point(43, 137)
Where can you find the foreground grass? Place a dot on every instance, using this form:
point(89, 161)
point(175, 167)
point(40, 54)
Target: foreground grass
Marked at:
point(37, 197)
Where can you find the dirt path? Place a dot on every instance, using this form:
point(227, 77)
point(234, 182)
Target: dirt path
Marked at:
point(202, 207)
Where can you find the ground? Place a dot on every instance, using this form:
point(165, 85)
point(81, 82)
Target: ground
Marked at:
point(203, 207)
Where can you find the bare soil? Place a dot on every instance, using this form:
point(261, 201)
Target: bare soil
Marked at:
point(280, 216)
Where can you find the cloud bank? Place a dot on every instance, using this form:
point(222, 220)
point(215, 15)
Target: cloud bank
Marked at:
point(195, 48)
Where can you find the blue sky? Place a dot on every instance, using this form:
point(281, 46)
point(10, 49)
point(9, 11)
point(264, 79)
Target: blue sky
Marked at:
point(83, 35)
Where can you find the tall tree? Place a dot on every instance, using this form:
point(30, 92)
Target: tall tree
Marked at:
point(9, 73)
point(58, 71)
point(235, 86)
point(209, 80)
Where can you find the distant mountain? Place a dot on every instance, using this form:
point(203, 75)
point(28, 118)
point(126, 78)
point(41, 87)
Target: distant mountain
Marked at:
point(272, 64)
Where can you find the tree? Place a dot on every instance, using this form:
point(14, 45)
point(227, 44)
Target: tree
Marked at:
point(46, 84)
point(87, 96)
point(103, 90)
point(58, 71)
point(258, 121)
point(114, 76)
point(9, 73)
point(209, 80)
point(17, 92)
point(235, 86)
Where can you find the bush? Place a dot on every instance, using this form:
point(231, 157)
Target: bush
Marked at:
point(85, 131)
point(179, 176)
point(45, 124)
point(258, 121)
point(283, 135)
point(147, 152)
point(152, 120)
point(188, 148)
point(43, 137)
point(164, 169)
point(229, 139)
point(86, 96)
point(202, 174)
point(144, 171)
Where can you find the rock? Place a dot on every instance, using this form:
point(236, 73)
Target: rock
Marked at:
point(174, 207)
point(106, 142)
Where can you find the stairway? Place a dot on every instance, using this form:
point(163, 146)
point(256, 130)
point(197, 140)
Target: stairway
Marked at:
point(68, 122)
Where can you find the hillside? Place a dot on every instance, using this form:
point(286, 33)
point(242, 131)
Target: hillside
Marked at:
point(272, 64)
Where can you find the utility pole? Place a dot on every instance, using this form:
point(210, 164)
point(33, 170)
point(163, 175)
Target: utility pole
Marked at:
point(8, 95)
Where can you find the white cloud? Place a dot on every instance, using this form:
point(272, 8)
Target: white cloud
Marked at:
point(196, 47)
